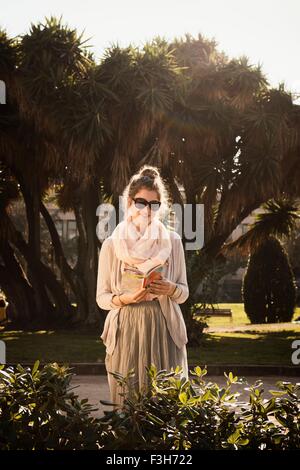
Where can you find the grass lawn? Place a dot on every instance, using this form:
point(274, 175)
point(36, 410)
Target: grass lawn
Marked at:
point(236, 347)
point(60, 346)
point(245, 348)
point(239, 317)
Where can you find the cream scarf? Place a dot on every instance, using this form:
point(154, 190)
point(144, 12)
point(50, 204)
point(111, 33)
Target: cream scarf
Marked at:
point(142, 248)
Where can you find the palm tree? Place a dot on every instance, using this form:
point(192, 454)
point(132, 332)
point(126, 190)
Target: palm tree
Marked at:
point(207, 121)
point(70, 115)
point(88, 110)
point(279, 218)
point(22, 140)
point(279, 221)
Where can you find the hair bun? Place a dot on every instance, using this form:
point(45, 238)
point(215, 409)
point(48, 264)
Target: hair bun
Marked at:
point(150, 172)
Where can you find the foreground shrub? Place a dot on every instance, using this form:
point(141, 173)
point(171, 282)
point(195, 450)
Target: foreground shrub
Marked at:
point(180, 414)
point(39, 410)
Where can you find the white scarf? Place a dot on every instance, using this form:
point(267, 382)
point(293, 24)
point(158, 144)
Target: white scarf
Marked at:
point(145, 248)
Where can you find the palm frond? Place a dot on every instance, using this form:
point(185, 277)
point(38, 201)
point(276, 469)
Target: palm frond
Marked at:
point(279, 219)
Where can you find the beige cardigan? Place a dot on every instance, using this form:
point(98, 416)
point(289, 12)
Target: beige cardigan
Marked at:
point(109, 281)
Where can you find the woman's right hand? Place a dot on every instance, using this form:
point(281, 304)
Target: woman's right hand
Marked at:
point(135, 297)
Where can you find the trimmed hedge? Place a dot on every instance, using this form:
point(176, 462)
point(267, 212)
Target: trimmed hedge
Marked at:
point(269, 287)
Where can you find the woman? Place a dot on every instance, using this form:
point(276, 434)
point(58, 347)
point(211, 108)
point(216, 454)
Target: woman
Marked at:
point(145, 326)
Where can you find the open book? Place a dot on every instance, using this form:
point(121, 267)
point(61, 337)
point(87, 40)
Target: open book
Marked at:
point(134, 279)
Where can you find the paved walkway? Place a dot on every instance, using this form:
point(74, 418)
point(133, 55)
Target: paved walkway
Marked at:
point(270, 327)
point(95, 388)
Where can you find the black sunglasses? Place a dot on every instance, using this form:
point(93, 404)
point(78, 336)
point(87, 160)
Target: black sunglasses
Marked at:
point(140, 203)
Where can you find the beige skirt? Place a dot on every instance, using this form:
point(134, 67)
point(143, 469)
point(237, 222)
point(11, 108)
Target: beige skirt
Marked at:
point(142, 339)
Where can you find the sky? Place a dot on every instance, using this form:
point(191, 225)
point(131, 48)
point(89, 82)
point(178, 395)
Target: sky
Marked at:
point(266, 31)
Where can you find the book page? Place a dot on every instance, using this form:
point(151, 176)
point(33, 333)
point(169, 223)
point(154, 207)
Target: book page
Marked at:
point(133, 279)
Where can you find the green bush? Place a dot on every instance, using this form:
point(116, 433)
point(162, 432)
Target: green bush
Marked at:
point(179, 414)
point(38, 410)
point(269, 287)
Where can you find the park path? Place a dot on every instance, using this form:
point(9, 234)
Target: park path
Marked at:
point(255, 328)
point(95, 388)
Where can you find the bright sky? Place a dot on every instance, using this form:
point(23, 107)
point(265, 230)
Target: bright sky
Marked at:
point(267, 31)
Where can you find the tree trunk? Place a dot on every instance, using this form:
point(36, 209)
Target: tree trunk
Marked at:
point(17, 289)
point(87, 264)
point(68, 274)
point(90, 203)
point(45, 310)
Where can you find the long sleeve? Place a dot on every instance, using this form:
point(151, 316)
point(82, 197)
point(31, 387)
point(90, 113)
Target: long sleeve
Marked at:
point(181, 293)
point(104, 294)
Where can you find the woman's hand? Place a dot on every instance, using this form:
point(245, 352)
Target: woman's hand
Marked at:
point(162, 286)
point(135, 297)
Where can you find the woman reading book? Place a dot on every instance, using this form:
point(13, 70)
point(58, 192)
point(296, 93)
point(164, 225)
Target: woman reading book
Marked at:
point(145, 325)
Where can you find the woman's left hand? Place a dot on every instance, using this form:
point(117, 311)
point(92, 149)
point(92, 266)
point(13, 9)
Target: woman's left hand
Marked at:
point(162, 287)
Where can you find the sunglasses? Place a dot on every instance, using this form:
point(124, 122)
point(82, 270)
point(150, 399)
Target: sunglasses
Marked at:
point(140, 203)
